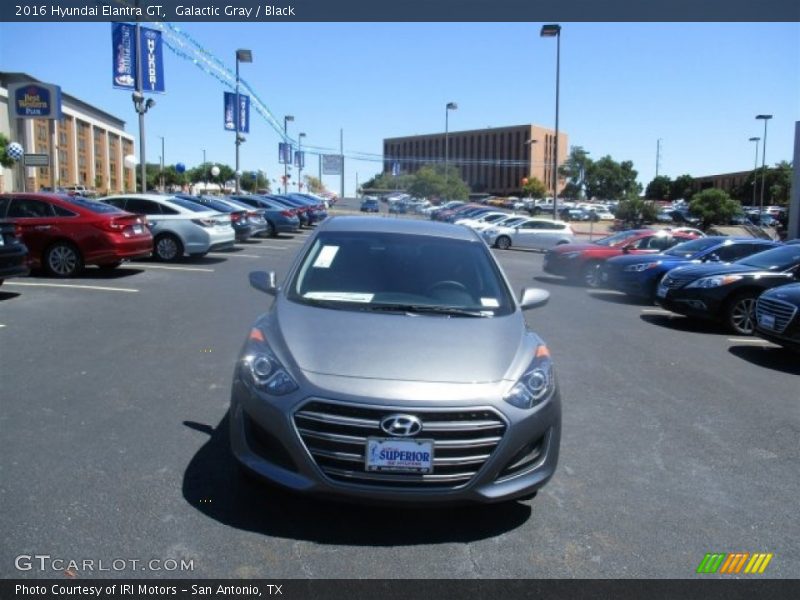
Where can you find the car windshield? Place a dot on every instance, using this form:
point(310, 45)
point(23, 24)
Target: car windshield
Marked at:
point(688, 249)
point(216, 204)
point(401, 272)
point(188, 204)
point(92, 205)
point(617, 238)
point(777, 259)
point(510, 221)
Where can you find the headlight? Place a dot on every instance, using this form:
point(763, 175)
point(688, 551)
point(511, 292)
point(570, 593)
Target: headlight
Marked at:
point(536, 384)
point(715, 281)
point(263, 369)
point(638, 268)
point(572, 254)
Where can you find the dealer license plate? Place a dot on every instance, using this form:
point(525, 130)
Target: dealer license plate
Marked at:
point(661, 292)
point(399, 455)
point(767, 321)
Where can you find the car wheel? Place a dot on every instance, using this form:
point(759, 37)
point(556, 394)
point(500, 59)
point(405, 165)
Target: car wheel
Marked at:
point(591, 275)
point(110, 266)
point(63, 259)
point(167, 248)
point(270, 230)
point(741, 313)
point(503, 242)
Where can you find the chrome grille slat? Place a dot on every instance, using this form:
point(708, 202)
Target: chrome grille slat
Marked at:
point(782, 312)
point(335, 435)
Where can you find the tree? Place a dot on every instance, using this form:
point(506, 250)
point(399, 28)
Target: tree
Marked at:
point(636, 211)
point(534, 188)
point(659, 189)
point(777, 186)
point(609, 180)
point(5, 160)
point(682, 188)
point(714, 206)
point(253, 181)
point(574, 170)
point(430, 182)
point(314, 185)
point(387, 181)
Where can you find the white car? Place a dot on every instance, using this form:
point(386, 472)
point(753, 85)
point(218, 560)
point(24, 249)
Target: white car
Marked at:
point(489, 217)
point(507, 221)
point(179, 226)
point(536, 234)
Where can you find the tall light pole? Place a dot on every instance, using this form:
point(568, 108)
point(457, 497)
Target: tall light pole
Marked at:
point(286, 119)
point(300, 137)
point(140, 104)
point(205, 173)
point(245, 56)
point(764, 118)
point(450, 106)
point(162, 162)
point(554, 30)
point(755, 169)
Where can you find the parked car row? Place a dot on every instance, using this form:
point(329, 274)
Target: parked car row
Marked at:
point(749, 285)
point(62, 233)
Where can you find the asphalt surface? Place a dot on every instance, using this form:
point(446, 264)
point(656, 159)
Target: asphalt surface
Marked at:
point(678, 439)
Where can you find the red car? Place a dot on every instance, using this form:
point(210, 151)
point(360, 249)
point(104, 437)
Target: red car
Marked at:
point(582, 261)
point(64, 233)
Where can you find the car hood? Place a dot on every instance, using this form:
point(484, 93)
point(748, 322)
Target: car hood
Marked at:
point(709, 270)
point(425, 348)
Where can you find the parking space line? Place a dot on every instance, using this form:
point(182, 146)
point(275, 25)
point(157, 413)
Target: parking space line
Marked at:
point(756, 341)
point(72, 286)
point(174, 268)
point(1, 325)
point(657, 311)
point(236, 254)
point(270, 247)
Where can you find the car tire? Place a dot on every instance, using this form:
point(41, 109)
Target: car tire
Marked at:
point(167, 248)
point(591, 275)
point(503, 242)
point(62, 259)
point(740, 313)
point(271, 231)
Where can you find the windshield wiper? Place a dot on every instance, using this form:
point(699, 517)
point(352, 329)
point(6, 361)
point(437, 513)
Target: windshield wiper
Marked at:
point(427, 308)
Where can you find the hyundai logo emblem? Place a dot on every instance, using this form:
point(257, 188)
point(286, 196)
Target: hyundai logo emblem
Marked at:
point(401, 425)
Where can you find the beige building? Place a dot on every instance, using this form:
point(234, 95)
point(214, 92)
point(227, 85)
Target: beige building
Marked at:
point(726, 181)
point(492, 160)
point(89, 145)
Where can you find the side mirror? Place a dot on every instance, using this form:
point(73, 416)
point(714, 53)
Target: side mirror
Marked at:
point(264, 282)
point(533, 298)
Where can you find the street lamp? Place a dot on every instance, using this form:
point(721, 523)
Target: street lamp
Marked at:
point(755, 169)
point(300, 137)
point(142, 105)
point(162, 163)
point(245, 56)
point(554, 30)
point(286, 119)
point(450, 106)
point(764, 118)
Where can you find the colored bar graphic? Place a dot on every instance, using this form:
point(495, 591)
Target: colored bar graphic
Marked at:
point(711, 563)
point(759, 562)
point(732, 563)
point(735, 562)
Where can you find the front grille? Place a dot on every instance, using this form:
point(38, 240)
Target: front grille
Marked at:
point(336, 437)
point(673, 282)
point(782, 312)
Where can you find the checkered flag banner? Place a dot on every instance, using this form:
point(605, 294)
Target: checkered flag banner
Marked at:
point(14, 151)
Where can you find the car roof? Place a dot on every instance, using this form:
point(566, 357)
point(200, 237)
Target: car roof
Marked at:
point(405, 226)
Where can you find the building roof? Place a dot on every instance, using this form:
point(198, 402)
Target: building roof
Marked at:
point(8, 78)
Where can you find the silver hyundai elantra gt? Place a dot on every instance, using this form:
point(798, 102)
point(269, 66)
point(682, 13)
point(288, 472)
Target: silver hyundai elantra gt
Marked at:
point(395, 365)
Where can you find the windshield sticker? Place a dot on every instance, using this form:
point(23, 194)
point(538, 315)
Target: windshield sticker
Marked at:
point(325, 257)
point(490, 302)
point(340, 296)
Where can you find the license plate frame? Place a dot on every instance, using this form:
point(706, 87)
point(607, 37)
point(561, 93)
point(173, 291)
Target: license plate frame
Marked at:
point(375, 462)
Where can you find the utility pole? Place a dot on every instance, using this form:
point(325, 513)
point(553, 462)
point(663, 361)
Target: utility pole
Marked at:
point(658, 154)
point(341, 155)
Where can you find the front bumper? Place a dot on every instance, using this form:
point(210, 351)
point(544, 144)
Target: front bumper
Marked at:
point(267, 440)
point(700, 303)
point(556, 264)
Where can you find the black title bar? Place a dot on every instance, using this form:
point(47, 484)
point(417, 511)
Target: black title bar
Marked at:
point(281, 11)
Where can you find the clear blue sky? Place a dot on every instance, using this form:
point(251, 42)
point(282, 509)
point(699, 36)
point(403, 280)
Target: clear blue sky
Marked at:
point(695, 86)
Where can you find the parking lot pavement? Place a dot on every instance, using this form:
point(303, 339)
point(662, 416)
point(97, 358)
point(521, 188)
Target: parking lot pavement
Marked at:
point(115, 440)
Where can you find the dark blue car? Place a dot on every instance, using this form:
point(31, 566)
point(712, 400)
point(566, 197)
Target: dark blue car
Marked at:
point(638, 275)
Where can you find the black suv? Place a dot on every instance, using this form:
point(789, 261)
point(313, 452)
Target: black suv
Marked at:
point(728, 293)
point(778, 316)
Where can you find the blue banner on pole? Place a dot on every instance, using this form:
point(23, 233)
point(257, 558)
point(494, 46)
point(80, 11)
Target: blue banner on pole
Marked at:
point(123, 46)
point(152, 51)
point(284, 153)
point(244, 112)
point(300, 159)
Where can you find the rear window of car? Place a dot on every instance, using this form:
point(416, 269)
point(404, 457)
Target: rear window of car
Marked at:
point(188, 204)
point(95, 207)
